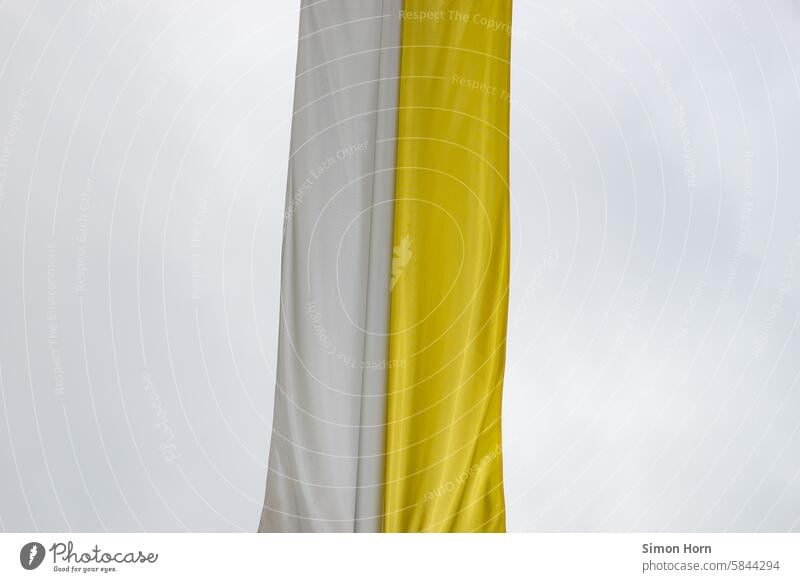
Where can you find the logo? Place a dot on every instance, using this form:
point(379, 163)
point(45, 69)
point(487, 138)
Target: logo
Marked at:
point(401, 256)
point(31, 555)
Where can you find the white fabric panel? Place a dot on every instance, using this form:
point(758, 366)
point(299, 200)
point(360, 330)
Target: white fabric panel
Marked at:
point(369, 494)
point(329, 405)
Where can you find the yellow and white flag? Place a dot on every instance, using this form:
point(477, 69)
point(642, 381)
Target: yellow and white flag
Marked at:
point(395, 270)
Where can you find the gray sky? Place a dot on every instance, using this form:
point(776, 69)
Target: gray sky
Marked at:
point(652, 377)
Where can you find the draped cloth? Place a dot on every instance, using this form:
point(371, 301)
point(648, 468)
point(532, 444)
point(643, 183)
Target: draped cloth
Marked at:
point(325, 468)
point(395, 269)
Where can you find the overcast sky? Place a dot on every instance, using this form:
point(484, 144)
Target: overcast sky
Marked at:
point(652, 373)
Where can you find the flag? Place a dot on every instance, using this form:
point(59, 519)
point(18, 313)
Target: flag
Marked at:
point(395, 270)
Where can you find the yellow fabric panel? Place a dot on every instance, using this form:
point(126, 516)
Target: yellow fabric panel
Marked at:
point(449, 303)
